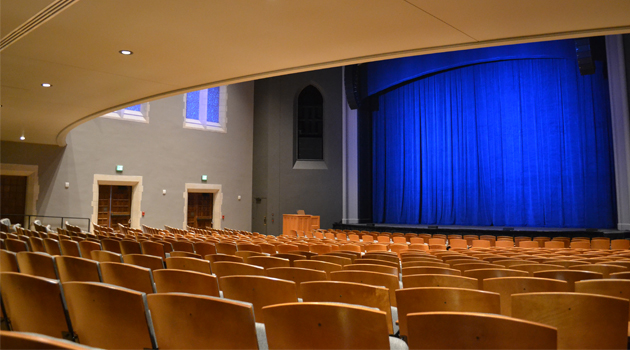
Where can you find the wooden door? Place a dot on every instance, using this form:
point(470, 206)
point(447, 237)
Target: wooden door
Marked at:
point(114, 205)
point(200, 210)
point(13, 198)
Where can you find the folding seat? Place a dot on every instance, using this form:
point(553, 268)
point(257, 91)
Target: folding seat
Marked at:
point(86, 247)
point(71, 268)
point(350, 293)
point(481, 243)
point(570, 276)
point(565, 263)
point(429, 280)
point(109, 317)
point(227, 268)
point(475, 265)
point(153, 248)
point(506, 286)
point(339, 260)
point(297, 275)
point(226, 248)
point(412, 300)
point(326, 326)
point(604, 269)
point(129, 247)
point(8, 261)
point(508, 263)
point(105, 256)
point(620, 244)
point(34, 304)
point(424, 263)
point(15, 245)
point(433, 270)
point(36, 244)
point(530, 267)
point(388, 281)
point(70, 248)
point(181, 281)
point(184, 255)
point(372, 267)
point(26, 340)
point(183, 246)
point(37, 264)
point(461, 330)
point(203, 322)
point(318, 265)
point(584, 321)
point(128, 276)
point(249, 247)
point(580, 245)
point(148, 261)
point(259, 290)
point(376, 247)
point(481, 274)
point(204, 248)
point(554, 244)
point(293, 256)
point(188, 264)
point(267, 262)
point(223, 257)
point(305, 254)
point(377, 262)
point(527, 243)
point(111, 245)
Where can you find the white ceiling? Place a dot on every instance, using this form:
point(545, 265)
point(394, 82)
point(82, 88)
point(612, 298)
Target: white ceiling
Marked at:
point(183, 45)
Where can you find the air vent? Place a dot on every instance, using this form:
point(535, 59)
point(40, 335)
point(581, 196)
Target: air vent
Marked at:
point(42, 16)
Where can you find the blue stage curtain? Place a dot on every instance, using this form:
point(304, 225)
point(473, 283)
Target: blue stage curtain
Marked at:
point(509, 143)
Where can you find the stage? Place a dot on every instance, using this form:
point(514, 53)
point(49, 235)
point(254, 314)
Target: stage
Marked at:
point(487, 230)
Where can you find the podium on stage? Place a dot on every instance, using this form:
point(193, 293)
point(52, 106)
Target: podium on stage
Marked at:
point(299, 222)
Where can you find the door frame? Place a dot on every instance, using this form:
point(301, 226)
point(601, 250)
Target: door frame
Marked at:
point(32, 184)
point(120, 180)
point(217, 201)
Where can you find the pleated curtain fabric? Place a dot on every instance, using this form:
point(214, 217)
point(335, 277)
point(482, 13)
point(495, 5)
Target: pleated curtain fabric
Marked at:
point(507, 143)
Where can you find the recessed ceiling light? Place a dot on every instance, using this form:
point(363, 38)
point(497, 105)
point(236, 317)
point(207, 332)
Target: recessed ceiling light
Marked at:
point(22, 138)
point(46, 85)
point(126, 52)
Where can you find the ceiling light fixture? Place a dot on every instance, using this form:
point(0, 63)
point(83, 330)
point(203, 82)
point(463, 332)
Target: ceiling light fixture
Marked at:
point(22, 138)
point(126, 52)
point(46, 85)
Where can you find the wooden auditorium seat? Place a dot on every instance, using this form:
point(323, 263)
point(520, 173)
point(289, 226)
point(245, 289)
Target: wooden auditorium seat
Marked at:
point(604, 269)
point(571, 276)
point(86, 247)
point(325, 326)
point(481, 274)
point(228, 268)
point(71, 268)
point(463, 330)
point(421, 262)
point(128, 276)
point(111, 245)
point(188, 264)
point(226, 248)
point(424, 270)
point(203, 322)
point(34, 304)
point(412, 300)
point(333, 259)
point(25, 340)
point(181, 254)
point(70, 248)
point(222, 257)
point(261, 291)
point(372, 267)
point(36, 244)
point(105, 256)
point(428, 280)
point(109, 317)
point(267, 262)
point(506, 286)
point(318, 265)
point(15, 245)
point(204, 248)
point(52, 246)
point(8, 261)
point(350, 293)
point(148, 261)
point(388, 281)
point(475, 265)
point(584, 321)
point(153, 248)
point(297, 275)
point(183, 246)
point(181, 281)
point(37, 264)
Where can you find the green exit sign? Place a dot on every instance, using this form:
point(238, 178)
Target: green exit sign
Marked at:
point(204, 177)
point(119, 168)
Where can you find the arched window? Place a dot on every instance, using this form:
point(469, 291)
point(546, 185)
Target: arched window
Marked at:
point(310, 125)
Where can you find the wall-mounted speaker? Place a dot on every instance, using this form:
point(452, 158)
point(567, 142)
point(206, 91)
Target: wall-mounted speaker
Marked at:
point(584, 56)
point(351, 86)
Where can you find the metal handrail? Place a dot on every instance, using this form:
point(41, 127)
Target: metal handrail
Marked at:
point(63, 218)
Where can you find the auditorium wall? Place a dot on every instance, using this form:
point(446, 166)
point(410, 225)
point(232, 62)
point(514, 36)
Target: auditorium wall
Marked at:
point(280, 187)
point(165, 154)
